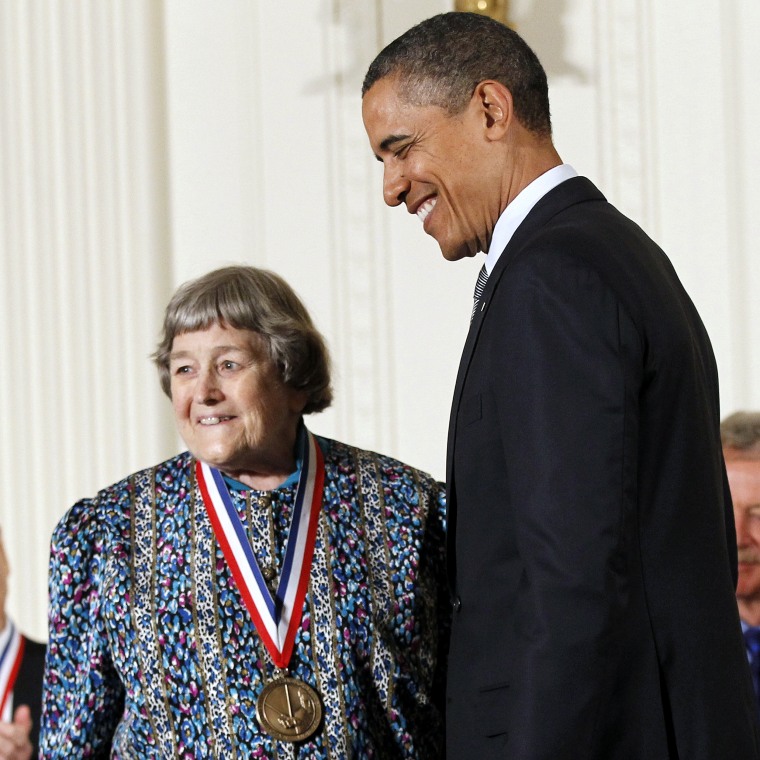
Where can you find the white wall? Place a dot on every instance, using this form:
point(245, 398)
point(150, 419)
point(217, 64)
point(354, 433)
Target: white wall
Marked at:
point(146, 142)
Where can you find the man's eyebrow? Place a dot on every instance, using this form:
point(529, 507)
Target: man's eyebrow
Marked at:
point(392, 140)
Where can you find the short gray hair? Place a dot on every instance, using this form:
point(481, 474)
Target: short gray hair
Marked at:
point(441, 60)
point(248, 298)
point(741, 431)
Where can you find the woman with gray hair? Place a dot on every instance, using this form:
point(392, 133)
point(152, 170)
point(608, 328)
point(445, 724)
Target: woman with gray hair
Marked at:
point(268, 593)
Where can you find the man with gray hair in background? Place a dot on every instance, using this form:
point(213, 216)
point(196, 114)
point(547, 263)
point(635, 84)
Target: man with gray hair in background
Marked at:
point(740, 435)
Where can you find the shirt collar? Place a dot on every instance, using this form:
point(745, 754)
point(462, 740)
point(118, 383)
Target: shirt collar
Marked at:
point(516, 211)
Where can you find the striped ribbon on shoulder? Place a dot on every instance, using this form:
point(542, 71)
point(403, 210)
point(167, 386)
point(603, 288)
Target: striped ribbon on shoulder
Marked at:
point(276, 616)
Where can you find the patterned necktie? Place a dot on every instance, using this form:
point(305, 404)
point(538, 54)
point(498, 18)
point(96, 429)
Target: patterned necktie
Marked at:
point(752, 640)
point(479, 287)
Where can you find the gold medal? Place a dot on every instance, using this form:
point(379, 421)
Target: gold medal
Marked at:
point(288, 709)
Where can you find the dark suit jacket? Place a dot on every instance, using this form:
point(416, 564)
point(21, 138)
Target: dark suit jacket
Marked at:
point(592, 545)
point(28, 687)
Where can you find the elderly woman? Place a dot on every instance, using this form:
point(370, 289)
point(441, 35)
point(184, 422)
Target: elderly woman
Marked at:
point(269, 593)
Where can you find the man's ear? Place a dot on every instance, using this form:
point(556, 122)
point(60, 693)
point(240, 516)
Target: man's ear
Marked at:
point(494, 102)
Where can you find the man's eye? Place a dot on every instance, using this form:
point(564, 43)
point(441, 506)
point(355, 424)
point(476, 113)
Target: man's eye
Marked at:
point(181, 370)
point(229, 364)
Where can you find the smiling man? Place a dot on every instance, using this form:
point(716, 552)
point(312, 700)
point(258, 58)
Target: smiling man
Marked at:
point(740, 433)
point(592, 560)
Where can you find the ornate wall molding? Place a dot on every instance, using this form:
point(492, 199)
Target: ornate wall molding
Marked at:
point(627, 108)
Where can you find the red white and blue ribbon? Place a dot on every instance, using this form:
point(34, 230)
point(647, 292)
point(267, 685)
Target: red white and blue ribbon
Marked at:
point(11, 654)
point(276, 617)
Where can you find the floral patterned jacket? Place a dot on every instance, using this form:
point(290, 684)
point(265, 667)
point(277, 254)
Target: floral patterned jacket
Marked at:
point(152, 652)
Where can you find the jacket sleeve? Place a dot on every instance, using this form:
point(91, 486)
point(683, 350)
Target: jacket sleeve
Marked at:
point(422, 615)
point(564, 380)
point(82, 695)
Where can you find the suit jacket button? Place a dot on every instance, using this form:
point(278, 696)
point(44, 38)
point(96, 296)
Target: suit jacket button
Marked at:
point(456, 605)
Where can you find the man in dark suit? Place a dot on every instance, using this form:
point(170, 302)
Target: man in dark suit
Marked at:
point(592, 550)
point(22, 663)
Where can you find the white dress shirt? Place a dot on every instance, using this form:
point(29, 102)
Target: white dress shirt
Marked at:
point(515, 212)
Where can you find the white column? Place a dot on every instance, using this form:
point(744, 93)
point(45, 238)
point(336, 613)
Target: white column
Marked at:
point(84, 265)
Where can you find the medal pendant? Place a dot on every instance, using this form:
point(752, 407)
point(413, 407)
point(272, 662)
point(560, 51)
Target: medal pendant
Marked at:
point(288, 709)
